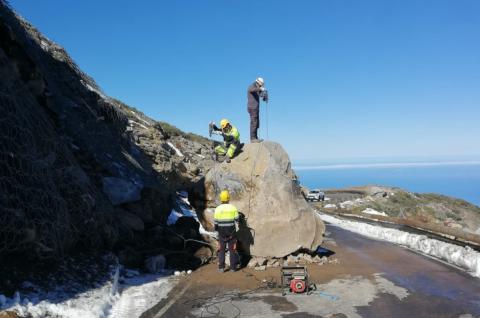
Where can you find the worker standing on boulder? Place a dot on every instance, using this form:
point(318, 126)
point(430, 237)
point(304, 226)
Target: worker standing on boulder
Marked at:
point(226, 219)
point(231, 139)
point(255, 91)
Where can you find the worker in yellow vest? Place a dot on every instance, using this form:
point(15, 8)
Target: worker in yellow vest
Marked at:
point(226, 224)
point(231, 139)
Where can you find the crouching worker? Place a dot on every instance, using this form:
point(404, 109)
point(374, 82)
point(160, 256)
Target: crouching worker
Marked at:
point(226, 224)
point(231, 139)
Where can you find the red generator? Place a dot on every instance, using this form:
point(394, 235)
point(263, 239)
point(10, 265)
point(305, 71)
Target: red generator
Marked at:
point(294, 279)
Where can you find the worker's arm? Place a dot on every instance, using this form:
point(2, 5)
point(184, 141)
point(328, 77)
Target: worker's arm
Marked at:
point(255, 89)
point(215, 130)
point(237, 220)
point(264, 95)
point(215, 217)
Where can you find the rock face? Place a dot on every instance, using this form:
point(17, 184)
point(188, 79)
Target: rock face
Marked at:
point(278, 220)
point(121, 191)
point(78, 168)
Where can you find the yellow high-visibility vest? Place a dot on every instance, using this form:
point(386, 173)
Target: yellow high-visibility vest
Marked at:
point(225, 215)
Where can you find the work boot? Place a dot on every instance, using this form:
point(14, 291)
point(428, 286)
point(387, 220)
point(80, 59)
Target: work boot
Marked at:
point(227, 159)
point(221, 270)
point(255, 141)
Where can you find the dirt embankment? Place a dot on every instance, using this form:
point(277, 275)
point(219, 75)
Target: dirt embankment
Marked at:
point(450, 217)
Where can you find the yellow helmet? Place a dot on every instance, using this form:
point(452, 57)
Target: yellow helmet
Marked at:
point(224, 196)
point(224, 123)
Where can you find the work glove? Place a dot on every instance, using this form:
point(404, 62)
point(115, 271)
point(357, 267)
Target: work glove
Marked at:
point(264, 95)
point(262, 88)
point(237, 227)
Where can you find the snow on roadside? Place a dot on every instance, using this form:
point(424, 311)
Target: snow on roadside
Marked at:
point(117, 298)
point(463, 257)
point(373, 212)
point(138, 294)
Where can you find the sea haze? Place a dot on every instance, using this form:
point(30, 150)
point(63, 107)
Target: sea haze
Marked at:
point(459, 178)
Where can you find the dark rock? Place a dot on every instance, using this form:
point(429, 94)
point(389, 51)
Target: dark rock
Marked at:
point(131, 221)
point(129, 257)
point(121, 191)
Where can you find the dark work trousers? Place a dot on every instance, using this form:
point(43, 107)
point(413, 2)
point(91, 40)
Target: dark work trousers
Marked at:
point(231, 242)
point(254, 122)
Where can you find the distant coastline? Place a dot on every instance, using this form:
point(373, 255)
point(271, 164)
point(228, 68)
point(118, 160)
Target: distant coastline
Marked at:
point(386, 165)
point(454, 178)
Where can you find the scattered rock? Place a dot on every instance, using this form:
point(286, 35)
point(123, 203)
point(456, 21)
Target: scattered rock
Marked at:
point(204, 254)
point(252, 263)
point(292, 260)
point(261, 268)
point(8, 314)
point(273, 263)
point(155, 264)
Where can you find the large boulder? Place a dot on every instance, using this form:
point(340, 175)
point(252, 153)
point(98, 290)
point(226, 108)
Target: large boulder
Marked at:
point(277, 219)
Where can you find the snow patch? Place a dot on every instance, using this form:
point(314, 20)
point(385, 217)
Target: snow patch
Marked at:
point(373, 212)
point(118, 298)
point(138, 294)
point(140, 118)
point(130, 122)
point(330, 206)
point(178, 152)
point(463, 257)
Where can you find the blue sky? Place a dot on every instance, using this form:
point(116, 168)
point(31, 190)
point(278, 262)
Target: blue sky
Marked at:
point(347, 79)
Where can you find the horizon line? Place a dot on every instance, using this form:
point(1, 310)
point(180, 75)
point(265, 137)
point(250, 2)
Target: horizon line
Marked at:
point(387, 165)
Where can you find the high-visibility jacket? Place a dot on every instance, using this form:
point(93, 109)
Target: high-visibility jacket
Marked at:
point(232, 136)
point(225, 217)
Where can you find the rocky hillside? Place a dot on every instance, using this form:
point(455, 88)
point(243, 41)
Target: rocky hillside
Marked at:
point(84, 173)
point(439, 213)
point(79, 170)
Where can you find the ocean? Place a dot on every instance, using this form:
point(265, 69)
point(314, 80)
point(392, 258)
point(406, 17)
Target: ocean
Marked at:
point(455, 179)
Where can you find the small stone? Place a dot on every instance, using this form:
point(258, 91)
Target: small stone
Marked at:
point(189, 271)
point(261, 268)
point(253, 263)
point(155, 264)
point(291, 259)
point(177, 273)
point(262, 261)
point(273, 263)
point(308, 258)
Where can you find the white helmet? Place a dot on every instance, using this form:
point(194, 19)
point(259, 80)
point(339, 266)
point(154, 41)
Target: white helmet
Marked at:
point(260, 81)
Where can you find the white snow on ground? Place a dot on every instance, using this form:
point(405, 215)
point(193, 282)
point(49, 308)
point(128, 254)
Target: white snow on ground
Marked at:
point(130, 298)
point(140, 118)
point(349, 204)
point(463, 257)
point(330, 206)
point(137, 123)
point(138, 294)
point(373, 212)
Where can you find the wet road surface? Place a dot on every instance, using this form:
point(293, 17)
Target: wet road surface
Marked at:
point(365, 278)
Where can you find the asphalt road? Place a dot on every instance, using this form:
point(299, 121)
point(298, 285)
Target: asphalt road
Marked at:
point(366, 278)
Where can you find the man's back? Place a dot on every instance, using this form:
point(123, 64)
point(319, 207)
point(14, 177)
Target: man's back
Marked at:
point(253, 94)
